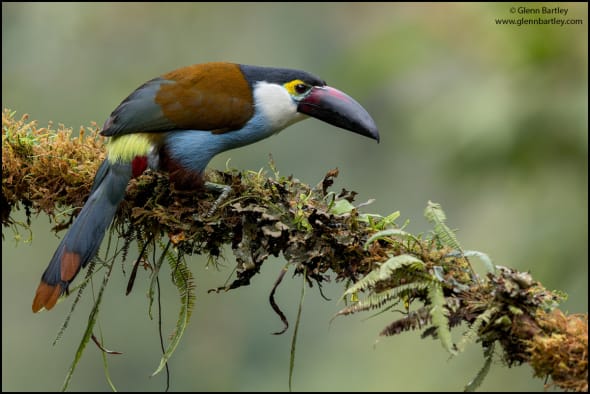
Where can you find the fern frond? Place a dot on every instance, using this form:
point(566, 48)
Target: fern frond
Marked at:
point(436, 216)
point(483, 372)
point(80, 288)
point(438, 312)
point(385, 271)
point(183, 279)
point(403, 260)
point(184, 282)
point(472, 333)
point(377, 300)
point(414, 320)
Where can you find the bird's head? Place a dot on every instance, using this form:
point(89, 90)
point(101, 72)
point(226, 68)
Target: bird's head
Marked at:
point(286, 96)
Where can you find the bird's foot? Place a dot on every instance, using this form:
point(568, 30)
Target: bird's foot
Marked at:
point(223, 191)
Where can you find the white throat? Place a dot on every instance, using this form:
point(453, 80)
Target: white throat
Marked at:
point(276, 105)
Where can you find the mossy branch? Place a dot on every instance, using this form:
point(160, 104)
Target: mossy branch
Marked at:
point(321, 234)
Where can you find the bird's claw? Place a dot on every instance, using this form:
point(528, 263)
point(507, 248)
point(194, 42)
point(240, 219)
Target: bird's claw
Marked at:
point(224, 191)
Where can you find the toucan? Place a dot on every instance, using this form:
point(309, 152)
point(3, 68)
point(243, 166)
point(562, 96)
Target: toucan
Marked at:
point(177, 123)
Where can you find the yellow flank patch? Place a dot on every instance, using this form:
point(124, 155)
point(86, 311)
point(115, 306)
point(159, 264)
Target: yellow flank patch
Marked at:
point(126, 147)
point(290, 86)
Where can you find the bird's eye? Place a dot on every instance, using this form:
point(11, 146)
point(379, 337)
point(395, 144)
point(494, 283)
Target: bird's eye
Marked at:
point(301, 88)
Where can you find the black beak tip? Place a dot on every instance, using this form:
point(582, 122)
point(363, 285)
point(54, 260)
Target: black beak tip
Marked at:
point(373, 132)
point(365, 125)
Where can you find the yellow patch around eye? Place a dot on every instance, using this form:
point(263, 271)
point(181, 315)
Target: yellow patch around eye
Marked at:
point(126, 147)
point(290, 86)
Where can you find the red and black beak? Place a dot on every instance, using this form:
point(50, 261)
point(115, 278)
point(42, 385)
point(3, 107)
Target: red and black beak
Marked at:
point(338, 109)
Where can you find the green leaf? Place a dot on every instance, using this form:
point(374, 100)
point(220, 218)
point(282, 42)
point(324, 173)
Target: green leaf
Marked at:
point(390, 219)
point(341, 207)
point(485, 259)
point(89, 327)
point(105, 364)
point(379, 222)
point(386, 234)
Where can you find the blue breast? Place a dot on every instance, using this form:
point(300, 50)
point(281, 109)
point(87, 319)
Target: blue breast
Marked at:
point(193, 149)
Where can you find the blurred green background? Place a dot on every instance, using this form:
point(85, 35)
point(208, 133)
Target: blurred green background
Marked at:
point(490, 121)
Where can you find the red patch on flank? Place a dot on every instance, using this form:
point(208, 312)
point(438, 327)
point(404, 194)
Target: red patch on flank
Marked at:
point(46, 296)
point(181, 177)
point(139, 165)
point(70, 265)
